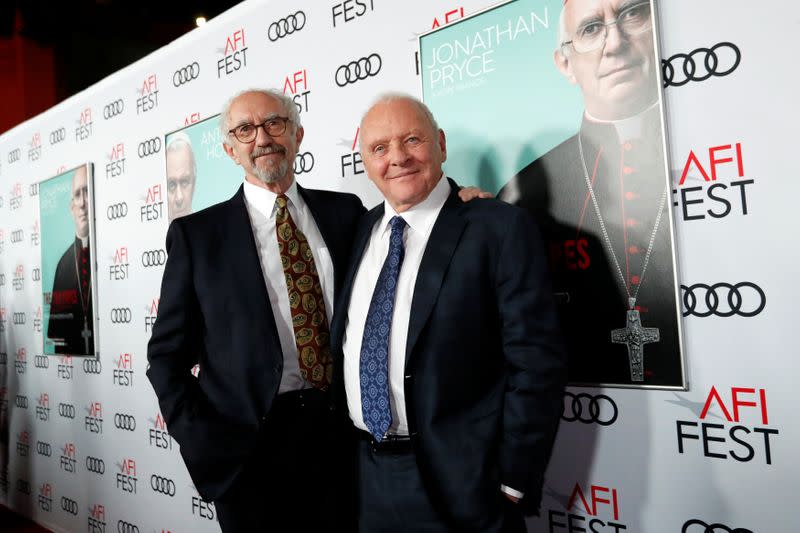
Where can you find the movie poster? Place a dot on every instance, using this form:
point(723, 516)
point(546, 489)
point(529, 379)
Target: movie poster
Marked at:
point(556, 106)
point(66, 210)
point(199, 172)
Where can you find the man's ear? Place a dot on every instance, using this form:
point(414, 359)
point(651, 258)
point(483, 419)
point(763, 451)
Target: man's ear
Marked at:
point(229, 150)
point(299, 134)
point(443, 145)
point(564, 66)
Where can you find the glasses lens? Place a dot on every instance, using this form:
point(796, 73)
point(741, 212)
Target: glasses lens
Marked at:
point(276, 126)
point(245, 133)
point(589, 37)
point(635, 19)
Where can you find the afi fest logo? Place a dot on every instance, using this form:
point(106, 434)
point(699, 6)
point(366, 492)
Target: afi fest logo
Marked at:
point(96, 520)
point(35, 234)
point(83, 128)
point(43, 407)
point(123, 373)
point(37, 327)
point(21, 361)
point(46, 497)
point(64, 368)
point(159, 437)
point(350, 162)
point(721, 432)
point(18, 281)
point(202, 508)
point(594, 508)
point(350, 10)
point(713, 183)
point(152, 313)
point(35, 147)
point(234, 54)
point(23, 443)
point(118, 269)
point(93, 421)
point(148, 95)
point(295, 85)
point(15, 196)
point(68, 459)
point(126, 477)
point(153, 205)
point(116, 161)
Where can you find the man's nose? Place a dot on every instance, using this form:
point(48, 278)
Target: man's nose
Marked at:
point(179, 195)
point(614, 39)
point(398, 155)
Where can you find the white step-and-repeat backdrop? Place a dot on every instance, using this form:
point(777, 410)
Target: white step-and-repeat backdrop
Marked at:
point(82, 443)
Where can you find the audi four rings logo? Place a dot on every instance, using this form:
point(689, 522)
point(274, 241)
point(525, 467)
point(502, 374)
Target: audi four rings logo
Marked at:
point(36, 274)
point(21, 401)
point(95, 464)
point(710, 528)
point(358, 70)
point(56, 136)
point(126, 527)
point(116, 211)
point(700, 64)
point(587, 409)
point(67, 410)
point(723, 299)
point(123, 421)
point(92, 366)
point(68, 505)
point(113, 109)
point(44, 448)
point(150, 147)
point(163, 485)
point(286, 26)
point(14, 155)
point(303, 163)
point(153, 258)
point(121, 315)
point(186, 74)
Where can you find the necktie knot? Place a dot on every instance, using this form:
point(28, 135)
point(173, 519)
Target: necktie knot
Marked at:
point(281, 200)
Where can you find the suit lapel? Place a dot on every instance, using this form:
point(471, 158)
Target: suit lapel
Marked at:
point(239, 245)
point(442, 243)
point(325, 219)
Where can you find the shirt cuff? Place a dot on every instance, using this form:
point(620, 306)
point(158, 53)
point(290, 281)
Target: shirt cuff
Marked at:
point(512, 492)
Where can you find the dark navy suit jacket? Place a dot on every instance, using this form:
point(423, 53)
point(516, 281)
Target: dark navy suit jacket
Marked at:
point(485, 367)
point(215, 311)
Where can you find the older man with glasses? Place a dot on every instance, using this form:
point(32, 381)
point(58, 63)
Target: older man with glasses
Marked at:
point(601, 199)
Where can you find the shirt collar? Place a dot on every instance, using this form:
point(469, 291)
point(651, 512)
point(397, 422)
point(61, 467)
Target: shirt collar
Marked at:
point(420, 218)
point(263, 200)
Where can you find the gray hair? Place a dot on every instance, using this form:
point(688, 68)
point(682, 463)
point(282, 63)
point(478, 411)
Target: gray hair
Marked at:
point(387, 97)
point(562, 31)
point(178, 141)
point(288, 104)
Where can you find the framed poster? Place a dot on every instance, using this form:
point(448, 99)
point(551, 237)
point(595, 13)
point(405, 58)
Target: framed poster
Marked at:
point(556, 106)
point(69, 294)
point(199, 172)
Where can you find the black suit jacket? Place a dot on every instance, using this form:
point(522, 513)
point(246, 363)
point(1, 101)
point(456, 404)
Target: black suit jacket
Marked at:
point(215, 311)
point(485, 368)
point(66, 309)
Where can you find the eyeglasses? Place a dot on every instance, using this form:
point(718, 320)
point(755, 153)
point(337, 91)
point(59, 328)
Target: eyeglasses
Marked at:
point(273, 126)
point(631, 21)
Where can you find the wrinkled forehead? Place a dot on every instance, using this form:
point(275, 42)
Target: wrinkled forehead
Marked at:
point(251, 107)
point(577, 11)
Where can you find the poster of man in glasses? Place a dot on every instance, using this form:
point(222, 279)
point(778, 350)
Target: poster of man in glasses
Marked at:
point(592, 174)
point(66, 214)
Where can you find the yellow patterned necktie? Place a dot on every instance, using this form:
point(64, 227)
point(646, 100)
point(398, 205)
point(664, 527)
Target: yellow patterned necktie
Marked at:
point(311, 333)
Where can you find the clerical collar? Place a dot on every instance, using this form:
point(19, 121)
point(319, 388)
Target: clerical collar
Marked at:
point(84, 240)
point(626, 128)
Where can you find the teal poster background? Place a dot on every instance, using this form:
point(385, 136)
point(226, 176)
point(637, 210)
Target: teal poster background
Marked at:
point(491, 83)
point(57, 234)
point(218, 177)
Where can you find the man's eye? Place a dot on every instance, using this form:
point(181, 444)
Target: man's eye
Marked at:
point(246, 129)
point(412, 140)
point(590, 30)
point(379, 149)
point(634, 13)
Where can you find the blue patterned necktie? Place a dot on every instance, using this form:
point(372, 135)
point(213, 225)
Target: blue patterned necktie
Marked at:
point(374, 365)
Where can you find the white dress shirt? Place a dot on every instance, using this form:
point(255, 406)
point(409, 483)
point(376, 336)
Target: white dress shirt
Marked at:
point(419, 220)
point(261, 208)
